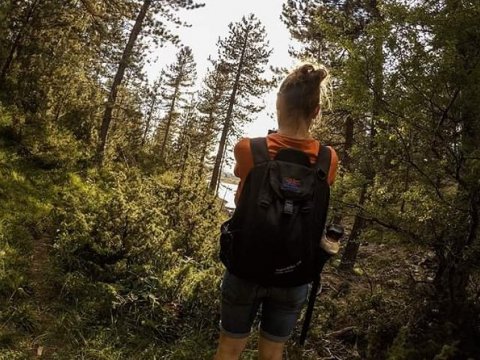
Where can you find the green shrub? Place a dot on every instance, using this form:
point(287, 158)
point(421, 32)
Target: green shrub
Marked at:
point(136, 253)
point(51, 147)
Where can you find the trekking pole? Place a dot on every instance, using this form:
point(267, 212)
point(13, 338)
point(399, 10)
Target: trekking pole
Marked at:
point(309, 313)
point(334, 232)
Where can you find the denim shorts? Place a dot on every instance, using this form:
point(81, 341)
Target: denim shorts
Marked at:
point(242, 300)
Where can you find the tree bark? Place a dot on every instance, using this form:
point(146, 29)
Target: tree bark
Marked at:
point(346, 158)
point(149, 119)
point(350, 253)
point(117, 81)
point(210, 129)
point(169, 123)
point(183, 170)
point(226, 127)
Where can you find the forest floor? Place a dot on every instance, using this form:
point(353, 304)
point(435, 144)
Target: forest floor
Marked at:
point(352, 305)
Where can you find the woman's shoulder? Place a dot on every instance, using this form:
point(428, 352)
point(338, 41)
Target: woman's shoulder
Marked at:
point(333, 152)
point(242, 147)
point(333, 165)
point(243, 157)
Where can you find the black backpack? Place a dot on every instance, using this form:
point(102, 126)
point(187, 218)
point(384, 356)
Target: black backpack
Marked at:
point(273, 237)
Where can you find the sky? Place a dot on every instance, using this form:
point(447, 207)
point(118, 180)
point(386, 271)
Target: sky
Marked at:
point(209, 23)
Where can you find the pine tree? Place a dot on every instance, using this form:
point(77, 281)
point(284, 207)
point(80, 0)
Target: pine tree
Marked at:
point(153, 99)
point(179, 78)
point(212, 104)
point(148, 15)
point(186, 146)
point(433, 102)
point(242, 56)
point(19, 18)
point(409, 82)
point(53, 71)
point(112, 97)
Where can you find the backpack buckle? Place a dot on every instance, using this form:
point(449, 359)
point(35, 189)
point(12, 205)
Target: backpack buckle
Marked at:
point(263, 202)
point(306, 209)
point(288, 207)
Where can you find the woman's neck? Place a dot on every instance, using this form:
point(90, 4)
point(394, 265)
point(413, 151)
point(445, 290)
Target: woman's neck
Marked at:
point(300, 131)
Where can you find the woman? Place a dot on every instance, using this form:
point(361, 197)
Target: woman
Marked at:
point(298, 104)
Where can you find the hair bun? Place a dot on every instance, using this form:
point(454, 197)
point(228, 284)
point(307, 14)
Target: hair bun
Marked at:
point(306, 69)
point(323, 73)
point(308, 72)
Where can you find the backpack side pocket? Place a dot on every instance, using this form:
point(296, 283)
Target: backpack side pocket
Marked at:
point(227, 244)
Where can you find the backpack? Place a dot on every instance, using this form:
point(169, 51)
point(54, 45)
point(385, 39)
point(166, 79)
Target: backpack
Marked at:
point(273, 236)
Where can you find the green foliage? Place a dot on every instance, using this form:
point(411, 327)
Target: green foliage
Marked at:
point(132, 260)
point(21, 213)
point(406, 77)
point(136, 251)
point(115, 263)
point(402, 348)
point(52, 147)
point(12, 355)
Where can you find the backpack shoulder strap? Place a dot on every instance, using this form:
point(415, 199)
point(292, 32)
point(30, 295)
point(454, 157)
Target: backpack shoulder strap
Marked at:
point(324, 158)
point(259, 150)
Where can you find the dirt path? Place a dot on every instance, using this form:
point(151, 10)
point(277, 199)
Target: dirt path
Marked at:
point(42, 294)
point(38, 265)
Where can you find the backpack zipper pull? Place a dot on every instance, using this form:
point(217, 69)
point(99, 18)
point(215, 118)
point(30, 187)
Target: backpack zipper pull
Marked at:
point(288, 207)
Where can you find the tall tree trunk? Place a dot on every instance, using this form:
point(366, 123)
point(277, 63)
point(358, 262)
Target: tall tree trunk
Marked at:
point(149, 119)
point(221, 167)
point(406, 185)
point(350, 253)
point(117, 81)
point(226, 125)
point(346, 158)
point(353, 244)
point(210, 130)
point(201, 164)
point(183, 169)
point(169, 123)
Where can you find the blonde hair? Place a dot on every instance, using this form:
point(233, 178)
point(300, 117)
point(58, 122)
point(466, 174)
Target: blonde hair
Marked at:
point(304, 89)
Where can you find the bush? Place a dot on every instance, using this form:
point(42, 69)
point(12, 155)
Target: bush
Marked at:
point(51, 147)
point(136, 253)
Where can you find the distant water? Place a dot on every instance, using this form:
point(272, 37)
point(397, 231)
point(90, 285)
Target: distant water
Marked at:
point(227, 192)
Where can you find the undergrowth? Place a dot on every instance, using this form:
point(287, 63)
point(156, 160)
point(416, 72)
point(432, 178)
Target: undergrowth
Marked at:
point(119, 264)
